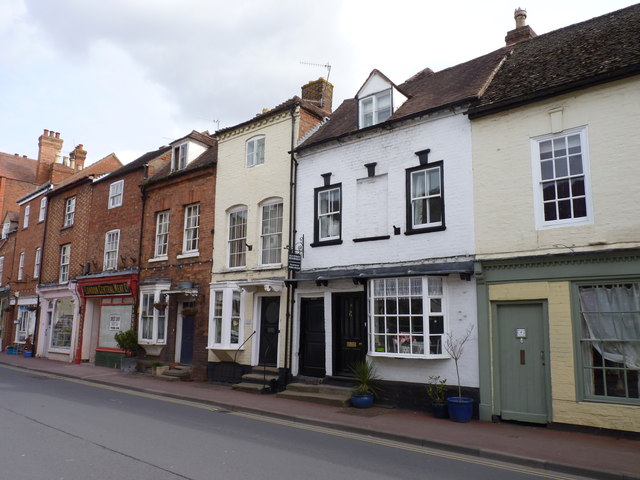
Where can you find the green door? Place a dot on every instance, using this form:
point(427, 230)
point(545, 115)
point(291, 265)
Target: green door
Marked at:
point(521, 361)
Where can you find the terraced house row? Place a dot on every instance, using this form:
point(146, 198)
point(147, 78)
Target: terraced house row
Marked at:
point(498, 196)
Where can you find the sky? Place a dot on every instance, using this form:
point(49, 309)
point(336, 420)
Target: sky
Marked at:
point(128, 76)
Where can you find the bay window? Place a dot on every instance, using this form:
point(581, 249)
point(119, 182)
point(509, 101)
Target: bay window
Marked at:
point(407, 317)
point(152, 328)
point(225, 320)
point(62, 324)
point(26, 324)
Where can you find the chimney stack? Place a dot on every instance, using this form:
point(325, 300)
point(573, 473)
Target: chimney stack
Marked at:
point(319, 92)
point(77, 157)
point(522, 31)
point(49, 147)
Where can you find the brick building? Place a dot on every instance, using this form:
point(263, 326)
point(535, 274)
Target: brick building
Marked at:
point(108, 284)
point(64, 258)
point(176, 248)
point(24, 183)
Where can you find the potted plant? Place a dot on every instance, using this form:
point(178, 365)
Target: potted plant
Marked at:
point(160, 306)
point(27, 349)
point(364, 391)
point(437, 391)
point(189, 311)
point(158, 368)
point(128, 341)
point(460, 408)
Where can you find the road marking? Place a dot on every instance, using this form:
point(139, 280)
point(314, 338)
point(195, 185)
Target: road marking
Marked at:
point(301, 426)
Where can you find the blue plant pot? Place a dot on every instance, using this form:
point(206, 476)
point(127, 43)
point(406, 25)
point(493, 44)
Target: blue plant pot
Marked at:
point(460, 409)
point(27, 353)
point(362, 401)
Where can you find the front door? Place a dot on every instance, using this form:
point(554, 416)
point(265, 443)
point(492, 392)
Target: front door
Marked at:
point(522, 357)
point(312, 340)
point(269, 320)
point(349, 331)
point(186, 342)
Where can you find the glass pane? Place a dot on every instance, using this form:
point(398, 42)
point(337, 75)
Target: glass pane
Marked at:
point(403, 287)
point(417, 325)
point(549, 191)
point(379, 341)
point(403, 306)
point(563, 188)
point(562, 169)
point(435, 210)
point(391, 287)
point(546, 170)
point(416, 286)
point(435, 286)
point(378, 288)
point(404, 325)
point(418, 187)
point(577, 187)
point(420, 212)
point(574, 143)
point(416, 306)
point(391, 306)
point(559, 147)
point(545, 149)
point(235, 329)
point(378, 325)
point(434, 181)
point(435, 344)
point(217, 325)
point(575, 164)
point(436, 324)
point(579, 208)
point(392, 324)
point(564, 209)
point(550, 211)
point(436, 305)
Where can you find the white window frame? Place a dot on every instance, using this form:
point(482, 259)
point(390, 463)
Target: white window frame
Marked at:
point(190, 239)
point(69, 211)
point(116, 194)
point(111, 247)
point(161, 247)
point(255, 151)
point(1, 268)
point(226, 318)
point(21, 266)
point(425, 198)
point(27, 213)
point(370, 110)
point(271, 232)
point(65, 259)
point(36, 263)
point(237, 238)
point(388, 339)
point(26, 323)
point(539, 201)
point(156, 333)
point(43, 209)
point(6, 228)
point(179, 156)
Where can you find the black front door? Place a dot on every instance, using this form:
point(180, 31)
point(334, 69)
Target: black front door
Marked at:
point(349, 331)
point(312, 341)
point(186, 343)
point(269, 320)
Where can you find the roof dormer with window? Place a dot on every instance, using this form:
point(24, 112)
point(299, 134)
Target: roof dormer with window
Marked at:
point(377, 99)
point(184, 151)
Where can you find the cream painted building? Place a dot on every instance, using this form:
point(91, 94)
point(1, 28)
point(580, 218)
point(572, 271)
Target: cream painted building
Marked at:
point(555, 152)
point(249, 299)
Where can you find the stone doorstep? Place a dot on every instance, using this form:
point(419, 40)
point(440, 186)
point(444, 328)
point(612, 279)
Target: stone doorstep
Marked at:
point(259, 377)
point(335, 400)
point(248, 387)
point(320, 388)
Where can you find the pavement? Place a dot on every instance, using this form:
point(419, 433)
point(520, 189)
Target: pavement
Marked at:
point(595, 455)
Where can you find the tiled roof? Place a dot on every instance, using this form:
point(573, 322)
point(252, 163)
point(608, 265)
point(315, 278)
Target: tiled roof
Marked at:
point(18, 168)
point(602, 49)
point(102, 166)
point(287, 104)
point(208, 158)
point(138, 162)
point(204, 138)
point(427, 92)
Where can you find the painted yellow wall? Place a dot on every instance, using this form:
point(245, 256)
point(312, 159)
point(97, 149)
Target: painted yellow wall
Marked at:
point(503, 185)
point(565, 408)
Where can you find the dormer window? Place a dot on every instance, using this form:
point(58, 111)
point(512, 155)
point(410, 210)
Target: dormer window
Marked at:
point(179, 157)
point(375, 108)
point(255, 151)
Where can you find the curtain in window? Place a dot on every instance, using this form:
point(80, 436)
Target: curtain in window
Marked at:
point(612, 315)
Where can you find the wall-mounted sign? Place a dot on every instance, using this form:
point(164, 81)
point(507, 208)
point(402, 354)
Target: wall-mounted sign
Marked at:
point(120, 288)
point(295, 261)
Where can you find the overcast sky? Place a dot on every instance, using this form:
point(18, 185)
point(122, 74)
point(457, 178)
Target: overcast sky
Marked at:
point(128, 76)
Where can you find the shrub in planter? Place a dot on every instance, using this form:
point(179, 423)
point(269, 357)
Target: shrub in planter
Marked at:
point(437, 392)
point(365, 389)
point(128, 341)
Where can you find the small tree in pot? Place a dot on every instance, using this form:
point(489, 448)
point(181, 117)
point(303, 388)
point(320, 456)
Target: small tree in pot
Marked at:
point(460, 408)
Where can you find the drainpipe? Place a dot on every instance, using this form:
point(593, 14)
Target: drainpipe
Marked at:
point(82, 309)
point(143, 195)
point(36, 330)
point(291, 247)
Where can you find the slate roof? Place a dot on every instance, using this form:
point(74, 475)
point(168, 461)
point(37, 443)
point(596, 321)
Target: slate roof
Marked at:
point(602, 49)
point(427, 92)
point(18, 168)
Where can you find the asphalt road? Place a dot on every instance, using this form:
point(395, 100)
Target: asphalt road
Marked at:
point(67, 429)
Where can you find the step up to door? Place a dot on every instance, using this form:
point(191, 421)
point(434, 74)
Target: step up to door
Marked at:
point(259, 380)
point(320, 388)
point(316, 397)
point(248, 387)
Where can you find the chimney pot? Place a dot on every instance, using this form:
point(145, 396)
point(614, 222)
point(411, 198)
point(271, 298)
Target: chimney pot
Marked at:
point(520, 15)
point(46, 132)
point(57, 134)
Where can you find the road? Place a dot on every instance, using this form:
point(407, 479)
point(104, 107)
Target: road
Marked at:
point(68, 429)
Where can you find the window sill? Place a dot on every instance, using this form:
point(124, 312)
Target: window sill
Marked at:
point(158, 259)
point(415, 231)
point(64, 227)
point(409, 356)
point(326, 243)
point(65, 350)
point(188, 255)
point(275, 266)
point(225, 348)
point(372, 239)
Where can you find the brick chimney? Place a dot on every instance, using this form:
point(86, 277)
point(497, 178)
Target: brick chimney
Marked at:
point(522, 31)
point(49, 148)
point(77, 157)
point(319, 92)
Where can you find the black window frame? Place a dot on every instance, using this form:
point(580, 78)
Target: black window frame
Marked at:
point(316, 221)
point(409, 229)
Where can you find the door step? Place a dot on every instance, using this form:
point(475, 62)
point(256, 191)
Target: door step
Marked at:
point(259, 380)
point(325, 394)
point(178, 372)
